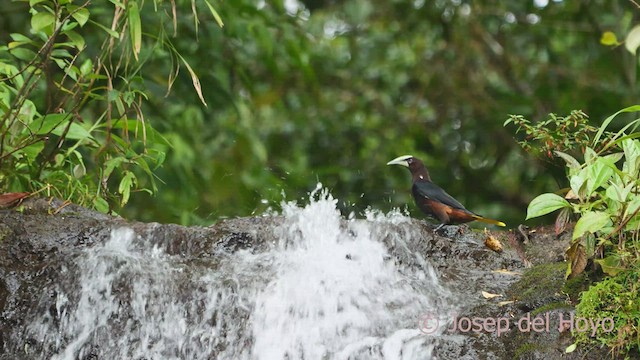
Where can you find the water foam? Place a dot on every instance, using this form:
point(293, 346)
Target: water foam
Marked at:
point(328, 288)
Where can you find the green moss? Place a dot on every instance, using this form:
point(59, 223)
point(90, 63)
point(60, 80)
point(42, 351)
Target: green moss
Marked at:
point(525, 349)
point(539, 282)
point(575, 286)
point(550, 307)
point(615, 298)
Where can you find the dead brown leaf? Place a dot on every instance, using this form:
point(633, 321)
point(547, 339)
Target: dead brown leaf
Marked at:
point(11, 199)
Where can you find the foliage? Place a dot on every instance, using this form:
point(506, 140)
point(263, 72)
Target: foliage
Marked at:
point(557, 133)
point(605, 197)
point(606, 200)
point(71, 97)
point(617, 298)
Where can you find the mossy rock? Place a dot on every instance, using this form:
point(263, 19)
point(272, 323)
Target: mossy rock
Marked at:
point(541, 285)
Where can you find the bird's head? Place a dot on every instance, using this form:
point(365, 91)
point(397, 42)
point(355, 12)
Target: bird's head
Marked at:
point(417, 168)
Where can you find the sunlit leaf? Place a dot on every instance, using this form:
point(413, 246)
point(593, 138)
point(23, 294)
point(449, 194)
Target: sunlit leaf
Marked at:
point(608, 38)
point(571, 348)
point(590, 221)
point(632, 42)
point(545, 204)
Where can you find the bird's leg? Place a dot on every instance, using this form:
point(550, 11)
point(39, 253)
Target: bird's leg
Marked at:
point(439, 227)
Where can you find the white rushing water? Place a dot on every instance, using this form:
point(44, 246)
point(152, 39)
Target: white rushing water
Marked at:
point(328, 288)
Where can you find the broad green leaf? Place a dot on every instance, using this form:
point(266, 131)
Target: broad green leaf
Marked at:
point(614, 158)
point(544, 204)
point(135, 28)
point(591, 221)
point(76, 39)
point(101, 205)
point(608, 38)
point(23, 54)
point(36, 2)
point(41, 20)
point(20, 38)
point(632, 42)
point(589, 155)
point(578, 181)
point(599, 173)
point(31, 151)
point(611, 265)
point(81, 15)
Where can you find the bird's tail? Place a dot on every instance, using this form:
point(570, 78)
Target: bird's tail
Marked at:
point(489, 221)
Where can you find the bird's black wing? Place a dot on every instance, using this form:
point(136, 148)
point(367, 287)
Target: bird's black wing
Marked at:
point(429, 190)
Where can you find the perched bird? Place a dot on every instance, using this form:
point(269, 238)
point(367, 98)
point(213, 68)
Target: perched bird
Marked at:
point(434, 201)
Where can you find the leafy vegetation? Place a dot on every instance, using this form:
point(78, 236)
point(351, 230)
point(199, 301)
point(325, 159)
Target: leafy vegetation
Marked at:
point(71, 99)
point(603, 194)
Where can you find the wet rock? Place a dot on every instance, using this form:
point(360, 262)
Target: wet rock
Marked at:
point(38, 243)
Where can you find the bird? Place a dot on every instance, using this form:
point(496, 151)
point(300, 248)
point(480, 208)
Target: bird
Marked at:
point(432, 200)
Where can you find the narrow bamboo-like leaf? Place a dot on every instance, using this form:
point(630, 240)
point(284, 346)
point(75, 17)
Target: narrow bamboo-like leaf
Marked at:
point(194, 79)
point(605, 123)
point(590, 221)
point(214, 13)
point(544, 204)
point(135, 28)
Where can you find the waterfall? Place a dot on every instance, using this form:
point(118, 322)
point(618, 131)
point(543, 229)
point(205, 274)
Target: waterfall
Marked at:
point(326, 287)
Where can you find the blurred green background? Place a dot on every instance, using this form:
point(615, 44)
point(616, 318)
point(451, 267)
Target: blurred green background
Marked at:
point(301, 92)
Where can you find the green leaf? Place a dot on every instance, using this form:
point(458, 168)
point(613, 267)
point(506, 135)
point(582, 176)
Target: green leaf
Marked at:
point(215, 14)
point(125, 186)
point(135, 28)
point(607, 121)
point(41, 20)
point(611, 265)
point(578, 181)
point(76, 39)
point(101, 205)
point(544, 204)
point(23, 54)
point(631, 150)
point(591, 221)
point(571, 348)
point(599, 173)
point(632, 42)
point(608, 38)
point(570, 160)
point(81, 15)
